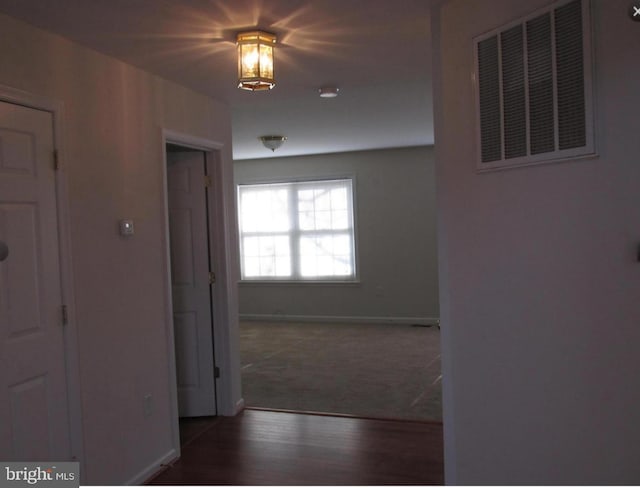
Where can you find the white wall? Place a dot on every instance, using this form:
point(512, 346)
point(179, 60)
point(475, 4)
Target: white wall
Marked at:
point(396, 248)
point(112, 159)
point(540, 284)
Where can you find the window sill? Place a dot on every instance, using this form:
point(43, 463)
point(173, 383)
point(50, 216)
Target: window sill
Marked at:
point(260, 283)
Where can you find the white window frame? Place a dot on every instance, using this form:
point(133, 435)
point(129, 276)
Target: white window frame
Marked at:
point(294, 234)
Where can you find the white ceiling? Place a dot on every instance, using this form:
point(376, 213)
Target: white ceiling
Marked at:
point(376, 51)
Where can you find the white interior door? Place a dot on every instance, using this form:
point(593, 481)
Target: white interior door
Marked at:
point(34, 424)
point(191, 287)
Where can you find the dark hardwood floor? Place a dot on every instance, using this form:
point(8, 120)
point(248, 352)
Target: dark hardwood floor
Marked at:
point(278, 448)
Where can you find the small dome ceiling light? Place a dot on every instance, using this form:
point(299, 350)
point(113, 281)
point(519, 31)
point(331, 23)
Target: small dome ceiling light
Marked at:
point(272, 142)
point(328, 91)
point(255, 60)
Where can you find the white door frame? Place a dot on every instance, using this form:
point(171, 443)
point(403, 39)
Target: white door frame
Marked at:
point(56, 108)
point(218, 228)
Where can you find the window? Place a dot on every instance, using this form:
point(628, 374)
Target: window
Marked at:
point(297, 231)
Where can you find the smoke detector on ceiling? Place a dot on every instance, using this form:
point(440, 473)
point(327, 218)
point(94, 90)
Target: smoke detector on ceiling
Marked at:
point(328, 91)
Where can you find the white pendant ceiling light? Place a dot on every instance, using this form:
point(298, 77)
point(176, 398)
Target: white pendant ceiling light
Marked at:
point(272, 142)
point(255, 60)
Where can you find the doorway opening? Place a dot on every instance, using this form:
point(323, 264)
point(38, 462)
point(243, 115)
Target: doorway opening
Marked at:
point(366, 346)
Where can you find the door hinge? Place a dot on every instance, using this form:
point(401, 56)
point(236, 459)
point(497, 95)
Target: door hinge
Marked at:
point(216, 372)
point(207, 181)
point(212, 277)
point(65, 315)
point(56, 161)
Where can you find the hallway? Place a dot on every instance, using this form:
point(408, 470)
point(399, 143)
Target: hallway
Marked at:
point(277, 448)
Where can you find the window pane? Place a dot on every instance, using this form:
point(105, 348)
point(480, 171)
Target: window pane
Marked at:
point(339, 199)
point(309, 256)
point(265, 210)
point(340, 220)
point(325, 256)
point(325, 265)
point(281, 244)
point(251, 246)
point(342, 266)
point(323, 220)
point(266, 256)
point(266, 247)
point(267, 266)
point(324, 208)
point(305, 200)
point(308, 266)
point(322, 200)
point(251, 267)
point(306, 220)
point(342, 245)
point(283, 267)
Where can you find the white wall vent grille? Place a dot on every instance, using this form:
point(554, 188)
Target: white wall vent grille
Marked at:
point(534, 88)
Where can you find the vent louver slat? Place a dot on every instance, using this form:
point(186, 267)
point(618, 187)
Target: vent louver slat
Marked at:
point(533, 88)
point(513, 93)
point(570, 68)
point(540, 63)
point(489, 87)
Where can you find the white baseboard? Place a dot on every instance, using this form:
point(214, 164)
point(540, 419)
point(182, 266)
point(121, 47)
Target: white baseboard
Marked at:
point(339, 319)
point(152, 469)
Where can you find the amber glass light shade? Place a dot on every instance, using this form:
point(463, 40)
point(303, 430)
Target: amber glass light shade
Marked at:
point(255, 60)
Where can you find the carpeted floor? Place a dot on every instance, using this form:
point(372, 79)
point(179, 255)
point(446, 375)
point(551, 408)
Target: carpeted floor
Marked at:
point(380, 371)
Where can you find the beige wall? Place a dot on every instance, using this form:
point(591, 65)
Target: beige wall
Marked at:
point(394, 201)
point(539, 277)
point(112, 158)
